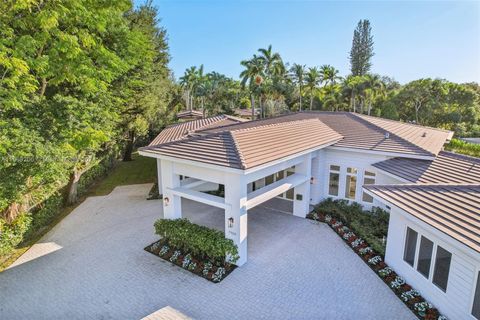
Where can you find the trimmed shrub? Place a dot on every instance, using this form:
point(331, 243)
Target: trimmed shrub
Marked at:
point(370, 225)
point(198, 240)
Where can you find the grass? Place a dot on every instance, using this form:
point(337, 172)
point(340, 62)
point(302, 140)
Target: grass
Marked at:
point(140, 170)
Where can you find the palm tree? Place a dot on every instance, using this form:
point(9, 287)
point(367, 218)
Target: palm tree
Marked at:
point(272, 62)
point(298, 73)
point(312, 80)
point(253, 74)
point(191, 80)
point(329, 74)
point(373, 87)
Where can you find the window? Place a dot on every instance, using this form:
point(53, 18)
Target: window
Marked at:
point(425, 257)
point(334, 180)
point(351, 184)
point(269, 179)
point(442, 268)
point(410, 246)
point(476, 300)
point(368, 178)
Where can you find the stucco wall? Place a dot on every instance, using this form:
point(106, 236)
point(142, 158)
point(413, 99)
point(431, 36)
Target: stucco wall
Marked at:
point(360, 161)
point(456, 302)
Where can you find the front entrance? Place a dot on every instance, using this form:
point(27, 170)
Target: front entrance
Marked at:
point(288, 195)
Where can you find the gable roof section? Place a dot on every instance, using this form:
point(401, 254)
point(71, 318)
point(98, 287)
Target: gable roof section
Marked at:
point(365, 133)
point(182, 130)
point(447, 167)
point(251, 147)
point(427, 138)
point(452, 209)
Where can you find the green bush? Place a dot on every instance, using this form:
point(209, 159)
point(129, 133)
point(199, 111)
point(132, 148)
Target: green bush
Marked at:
point(462, 147)
point(12, 234)
point(370, 225)
point(29, 224)
point(198, 240)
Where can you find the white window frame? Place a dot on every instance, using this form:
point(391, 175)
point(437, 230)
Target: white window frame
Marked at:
point(472, 293)
point(433, 259)
point(339, 172)
point(356, 175)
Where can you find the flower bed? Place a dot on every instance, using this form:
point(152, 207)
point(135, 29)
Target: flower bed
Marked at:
point(411, 297)
point(205, 268)
point(201, 250)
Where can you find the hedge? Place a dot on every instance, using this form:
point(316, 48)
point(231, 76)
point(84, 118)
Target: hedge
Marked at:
point(198, 240)
point(371, 225)
point(29, 224)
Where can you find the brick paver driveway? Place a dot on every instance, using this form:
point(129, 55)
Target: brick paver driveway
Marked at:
point(93, 266)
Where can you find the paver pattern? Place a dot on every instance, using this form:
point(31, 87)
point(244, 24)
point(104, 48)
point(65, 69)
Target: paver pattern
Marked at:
point(92, 266)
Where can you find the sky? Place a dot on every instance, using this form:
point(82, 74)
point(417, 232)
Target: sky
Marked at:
point(413, 39)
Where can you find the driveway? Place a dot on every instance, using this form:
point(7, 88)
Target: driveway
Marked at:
point(92, 266)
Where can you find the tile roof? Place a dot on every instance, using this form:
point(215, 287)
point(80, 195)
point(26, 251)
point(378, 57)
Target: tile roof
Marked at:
point(427, 138)
point(452, 209)
point(447, 167)
point(366, 133)
point(182, 130)
point(246, 148)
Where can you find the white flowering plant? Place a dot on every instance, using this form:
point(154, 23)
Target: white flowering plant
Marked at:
point(375, 260)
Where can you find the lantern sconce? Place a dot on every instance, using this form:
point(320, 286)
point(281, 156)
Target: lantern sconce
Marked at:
point(312, 180)
point(166, 201)
point(230, 222)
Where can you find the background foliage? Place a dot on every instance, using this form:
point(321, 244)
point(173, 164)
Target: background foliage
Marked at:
point(80, 82)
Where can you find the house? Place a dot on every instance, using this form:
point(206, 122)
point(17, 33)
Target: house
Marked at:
point(303, 158)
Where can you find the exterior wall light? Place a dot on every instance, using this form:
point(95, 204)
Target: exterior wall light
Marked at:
point(230, 222)
point(166, 201)
point(312, 180)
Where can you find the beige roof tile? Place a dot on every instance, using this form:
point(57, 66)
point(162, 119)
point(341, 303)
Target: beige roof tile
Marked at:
point(250, 147)
point(366, 133)
point(181, 130)
point(452, 209)
point(447, 167)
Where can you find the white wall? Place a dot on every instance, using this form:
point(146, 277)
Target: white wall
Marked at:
point(360, 160)
point(456, 302)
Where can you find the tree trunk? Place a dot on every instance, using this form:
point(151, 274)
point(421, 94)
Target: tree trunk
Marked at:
point(311, 102)
point(127, 156)
point(300, 90)
point(72, 187)
point(352, 102)
point(252, 105)
point(44, 87)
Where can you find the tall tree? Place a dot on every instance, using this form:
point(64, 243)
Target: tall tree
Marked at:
point(312, 80)
point(362, 49)
point(144, 88)
point(298, 75)
point(329, 74)
point(253, 74)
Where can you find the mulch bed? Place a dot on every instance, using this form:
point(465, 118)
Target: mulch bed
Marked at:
point(411, 297)
point(214, 272)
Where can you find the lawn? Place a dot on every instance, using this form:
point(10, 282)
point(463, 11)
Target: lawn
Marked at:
point(140, 170)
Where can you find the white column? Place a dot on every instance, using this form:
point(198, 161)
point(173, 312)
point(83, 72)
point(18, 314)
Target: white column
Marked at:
point(302, 206)
point(235, 200)
point(159, 176)
point(172, 205)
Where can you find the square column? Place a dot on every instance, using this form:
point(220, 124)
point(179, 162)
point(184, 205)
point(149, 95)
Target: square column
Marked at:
point(235, 201)
point(159, 176)
point(301, 198)
point(172, 204)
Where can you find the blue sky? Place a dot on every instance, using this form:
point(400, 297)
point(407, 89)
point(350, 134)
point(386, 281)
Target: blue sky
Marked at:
point(412, 39)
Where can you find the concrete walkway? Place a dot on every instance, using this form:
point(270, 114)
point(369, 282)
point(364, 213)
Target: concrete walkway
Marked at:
point(93, 266)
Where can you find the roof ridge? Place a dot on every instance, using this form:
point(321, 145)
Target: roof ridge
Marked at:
point(191, 121)
point(359, 117)
point(237, 148)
